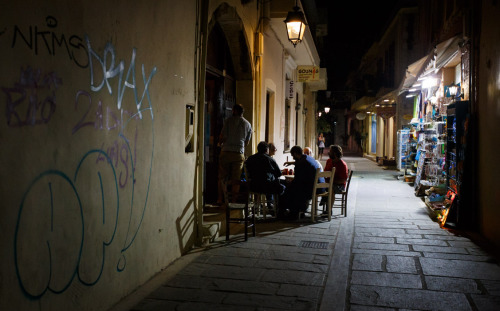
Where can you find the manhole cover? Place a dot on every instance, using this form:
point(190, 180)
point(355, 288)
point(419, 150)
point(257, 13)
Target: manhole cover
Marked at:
point(313, 244)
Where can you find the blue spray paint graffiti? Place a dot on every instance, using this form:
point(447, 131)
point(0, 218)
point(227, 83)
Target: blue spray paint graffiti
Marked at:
point(63, 248)
point(59, 234)
point(108, 72)
point(113, 71)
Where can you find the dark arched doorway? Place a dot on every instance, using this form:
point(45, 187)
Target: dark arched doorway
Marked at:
point(220, 97)
point(228, 73)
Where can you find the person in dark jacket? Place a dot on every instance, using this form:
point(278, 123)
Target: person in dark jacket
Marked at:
point(299, 191)
point(263, 171)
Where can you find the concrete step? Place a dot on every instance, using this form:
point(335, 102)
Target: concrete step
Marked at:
point(211, 231)
point(214, 224)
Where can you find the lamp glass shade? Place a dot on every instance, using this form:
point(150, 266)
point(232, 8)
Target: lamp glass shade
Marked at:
point(360, 115)
point(453, 90)
point(295, 26)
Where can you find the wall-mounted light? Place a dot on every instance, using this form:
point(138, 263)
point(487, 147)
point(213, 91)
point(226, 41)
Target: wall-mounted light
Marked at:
point(295, 25)
point(327, 109)
point(360, 115)
point(297, 107)
point(304, 111)
point(453, 90)
point(319, 114)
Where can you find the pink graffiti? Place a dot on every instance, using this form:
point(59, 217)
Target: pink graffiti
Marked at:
point(32, 100)
point(121, 154)
point(94, 115)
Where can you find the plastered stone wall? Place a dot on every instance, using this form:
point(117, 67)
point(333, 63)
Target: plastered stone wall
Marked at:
point(96, 190)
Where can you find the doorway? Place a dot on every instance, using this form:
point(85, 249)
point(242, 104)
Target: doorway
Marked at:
point(220, 93)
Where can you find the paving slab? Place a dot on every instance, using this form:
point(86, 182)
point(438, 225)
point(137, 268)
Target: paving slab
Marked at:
point(486, 303)
point(448, 284)
point(401, 264)
point(460, 268)
point(492, 287)
point(398, 280)
point(408, 298)
point(367, 262)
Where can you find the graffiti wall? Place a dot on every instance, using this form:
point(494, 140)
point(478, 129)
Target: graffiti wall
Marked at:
point(94, 179)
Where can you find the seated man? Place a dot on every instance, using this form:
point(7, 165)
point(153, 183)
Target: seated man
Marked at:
point(263, 171)
point(299, 191)
point(335, 160)
point(309, 152)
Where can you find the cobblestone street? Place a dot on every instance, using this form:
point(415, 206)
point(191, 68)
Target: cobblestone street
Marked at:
point(387, 254)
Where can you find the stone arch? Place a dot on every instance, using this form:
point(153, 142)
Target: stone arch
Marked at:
point(232, 26)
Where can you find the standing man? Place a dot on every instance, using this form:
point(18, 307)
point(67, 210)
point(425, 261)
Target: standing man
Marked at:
point(235, 135)
point(299, 191)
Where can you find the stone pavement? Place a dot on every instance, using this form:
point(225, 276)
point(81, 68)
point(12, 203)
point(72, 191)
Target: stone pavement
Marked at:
point(386, 255)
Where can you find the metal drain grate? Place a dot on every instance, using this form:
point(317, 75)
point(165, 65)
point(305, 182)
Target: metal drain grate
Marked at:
point(314, 244)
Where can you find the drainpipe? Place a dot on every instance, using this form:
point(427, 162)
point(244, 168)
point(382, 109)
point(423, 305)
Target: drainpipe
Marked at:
point(200, 159)
point(264, 19)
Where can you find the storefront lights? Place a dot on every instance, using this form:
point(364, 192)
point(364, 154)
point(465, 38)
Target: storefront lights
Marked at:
point(429, 83)
point(295, 25)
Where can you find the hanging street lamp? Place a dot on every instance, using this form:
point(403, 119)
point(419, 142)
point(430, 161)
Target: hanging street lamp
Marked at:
point(295, 25)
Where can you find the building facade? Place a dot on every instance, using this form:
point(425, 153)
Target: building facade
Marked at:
point(109, 136)
point(453, 44)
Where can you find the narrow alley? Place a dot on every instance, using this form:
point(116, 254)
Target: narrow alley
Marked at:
point(387, 254)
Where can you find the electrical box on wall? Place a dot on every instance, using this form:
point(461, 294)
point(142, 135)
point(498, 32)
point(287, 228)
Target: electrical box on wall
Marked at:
point(189, 130)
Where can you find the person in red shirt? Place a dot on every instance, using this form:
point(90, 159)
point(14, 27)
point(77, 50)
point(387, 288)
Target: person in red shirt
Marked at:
point(335, 160)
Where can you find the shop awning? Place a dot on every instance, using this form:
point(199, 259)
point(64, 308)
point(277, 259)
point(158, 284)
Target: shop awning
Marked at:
point(362, 103)
point(412, 73)
point(444, 54)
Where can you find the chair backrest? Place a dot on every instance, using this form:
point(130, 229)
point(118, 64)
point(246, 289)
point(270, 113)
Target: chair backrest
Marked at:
point(348, 181)
point(328, 184)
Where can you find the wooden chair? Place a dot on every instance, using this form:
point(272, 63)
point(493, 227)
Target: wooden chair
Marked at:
point(264, 207)
point(316, 198)
point(237, 207)
point(342, 198)
point(260, 201)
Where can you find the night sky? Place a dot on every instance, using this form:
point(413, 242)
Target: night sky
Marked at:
point(353, 27)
